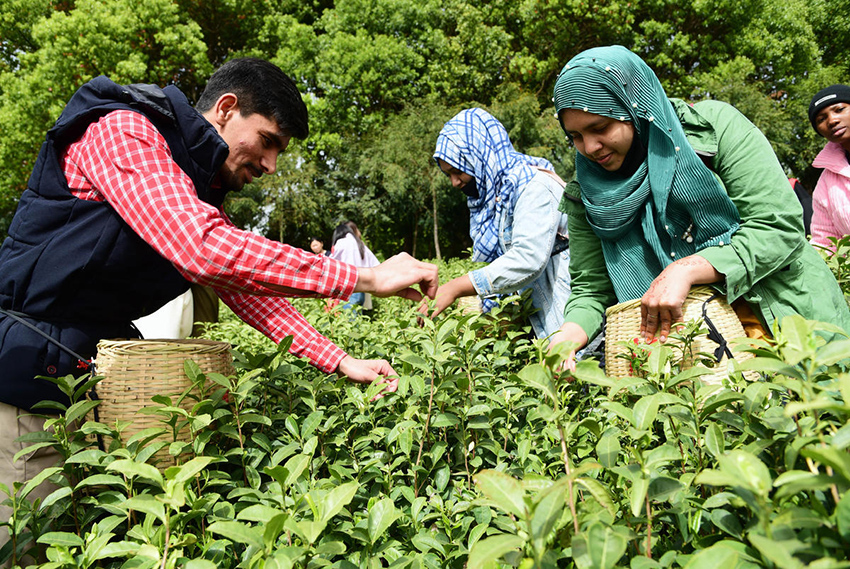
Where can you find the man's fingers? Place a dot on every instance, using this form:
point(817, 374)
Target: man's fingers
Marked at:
point(410, 294)
point(390, 383)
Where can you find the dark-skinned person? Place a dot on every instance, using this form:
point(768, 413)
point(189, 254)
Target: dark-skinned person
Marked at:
point(829, 113)
point(514, 221)
point(670, 195)
point(123, 211)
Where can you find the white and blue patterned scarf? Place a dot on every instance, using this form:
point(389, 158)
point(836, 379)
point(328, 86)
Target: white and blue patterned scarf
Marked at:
point(477, 144)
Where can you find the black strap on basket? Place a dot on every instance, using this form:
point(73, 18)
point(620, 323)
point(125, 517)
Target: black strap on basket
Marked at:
point(82, 363)
point(86, 364)
point(714, 334)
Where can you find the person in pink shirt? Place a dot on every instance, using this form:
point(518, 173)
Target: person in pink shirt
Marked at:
point(829, 113)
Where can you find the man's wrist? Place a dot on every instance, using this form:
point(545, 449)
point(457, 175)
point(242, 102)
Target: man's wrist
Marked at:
point(365, 280)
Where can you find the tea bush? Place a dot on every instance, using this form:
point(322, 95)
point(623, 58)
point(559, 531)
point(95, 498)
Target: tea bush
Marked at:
point(486, 456)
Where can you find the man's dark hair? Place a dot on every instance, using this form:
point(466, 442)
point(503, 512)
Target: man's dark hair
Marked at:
point(262, 88)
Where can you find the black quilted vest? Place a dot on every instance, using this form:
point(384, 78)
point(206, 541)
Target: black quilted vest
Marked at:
point(73, 266)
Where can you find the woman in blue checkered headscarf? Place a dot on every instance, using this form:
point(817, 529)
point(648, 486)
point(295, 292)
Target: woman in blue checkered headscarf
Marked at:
point(513, 218)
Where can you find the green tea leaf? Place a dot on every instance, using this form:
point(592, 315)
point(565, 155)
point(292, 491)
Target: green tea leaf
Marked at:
point(272, 529)
point(727, 522)
point(61, 538)
point(337, 499)
point(714, 557)
point(608, 449)
point(781, 553)
point(839, 460)
point(79, 410)
point(258, 513)
point(118, 549)
point(203, 564)
point(38, 479)
point(599, 493)
point(714, 441)
point(382, 514)
point(537, 376)
point(599, 547)
point(147, 504)
point(663, 488)
point(490, 550)
point(637, 496)
point(842, 517)
point(445, 420)
point(131, 468)
point(504, 490)
point(238, 532)
point(748, 470)
point(294, 467)
point(102, 479)
point(547, 511)
point(186, 472)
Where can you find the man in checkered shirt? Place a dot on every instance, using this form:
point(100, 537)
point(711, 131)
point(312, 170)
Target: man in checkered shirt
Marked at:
point(123, 212)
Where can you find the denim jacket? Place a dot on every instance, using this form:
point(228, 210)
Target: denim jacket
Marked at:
point(528, 235)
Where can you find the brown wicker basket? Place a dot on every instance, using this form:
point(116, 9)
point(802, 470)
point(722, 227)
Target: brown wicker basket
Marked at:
point(469, 304)
point(136, 370)
point(623, 324)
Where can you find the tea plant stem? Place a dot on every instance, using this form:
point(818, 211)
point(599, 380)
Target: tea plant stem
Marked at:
point(241, 442)
point(466, 464)
point(648, 528)
point(569, 477)
point(167, 539)
point(424, 434)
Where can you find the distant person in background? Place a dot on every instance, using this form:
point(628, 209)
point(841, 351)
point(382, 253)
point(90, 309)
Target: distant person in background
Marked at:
point(317, 246)
point(514, 220)
point(805, 199)
point(829, 113)
point(347, 246)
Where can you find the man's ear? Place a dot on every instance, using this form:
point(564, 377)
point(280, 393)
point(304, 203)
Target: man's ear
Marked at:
point(223, 110)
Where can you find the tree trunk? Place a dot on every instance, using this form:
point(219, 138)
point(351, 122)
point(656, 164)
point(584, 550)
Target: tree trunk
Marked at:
point(436, 231)
point(415, 234)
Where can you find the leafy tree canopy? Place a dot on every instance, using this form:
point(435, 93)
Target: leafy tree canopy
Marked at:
point(381, 76)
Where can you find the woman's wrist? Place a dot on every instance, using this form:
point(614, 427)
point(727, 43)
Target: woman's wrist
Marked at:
point(694, 270)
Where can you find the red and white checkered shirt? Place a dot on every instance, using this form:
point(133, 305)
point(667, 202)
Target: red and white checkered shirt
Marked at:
point(124, 160)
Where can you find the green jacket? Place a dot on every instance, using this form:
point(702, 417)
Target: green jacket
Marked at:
point(769, 263)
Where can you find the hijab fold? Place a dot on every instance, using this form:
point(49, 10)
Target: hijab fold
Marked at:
point(672, 205)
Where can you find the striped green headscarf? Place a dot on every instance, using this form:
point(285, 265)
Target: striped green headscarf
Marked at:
point(673, 205)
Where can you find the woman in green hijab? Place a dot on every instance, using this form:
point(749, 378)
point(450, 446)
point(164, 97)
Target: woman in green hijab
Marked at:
point(670, 195)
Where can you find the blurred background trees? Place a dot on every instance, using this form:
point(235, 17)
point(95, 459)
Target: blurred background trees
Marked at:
point(380, 77)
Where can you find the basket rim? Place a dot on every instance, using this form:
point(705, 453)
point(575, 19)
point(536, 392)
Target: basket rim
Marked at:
point(696, 293)
point(155, 346)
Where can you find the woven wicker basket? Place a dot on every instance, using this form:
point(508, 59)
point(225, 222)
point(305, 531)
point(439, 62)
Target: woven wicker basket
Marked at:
point(136, 370)
point(469, 304)
point(623, 324)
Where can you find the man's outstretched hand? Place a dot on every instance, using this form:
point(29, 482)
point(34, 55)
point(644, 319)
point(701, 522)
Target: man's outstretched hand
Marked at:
point(397, 276)
point(367, 371)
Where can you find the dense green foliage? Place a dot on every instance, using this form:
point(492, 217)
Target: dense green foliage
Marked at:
point(484, 457)
point(381, 76)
